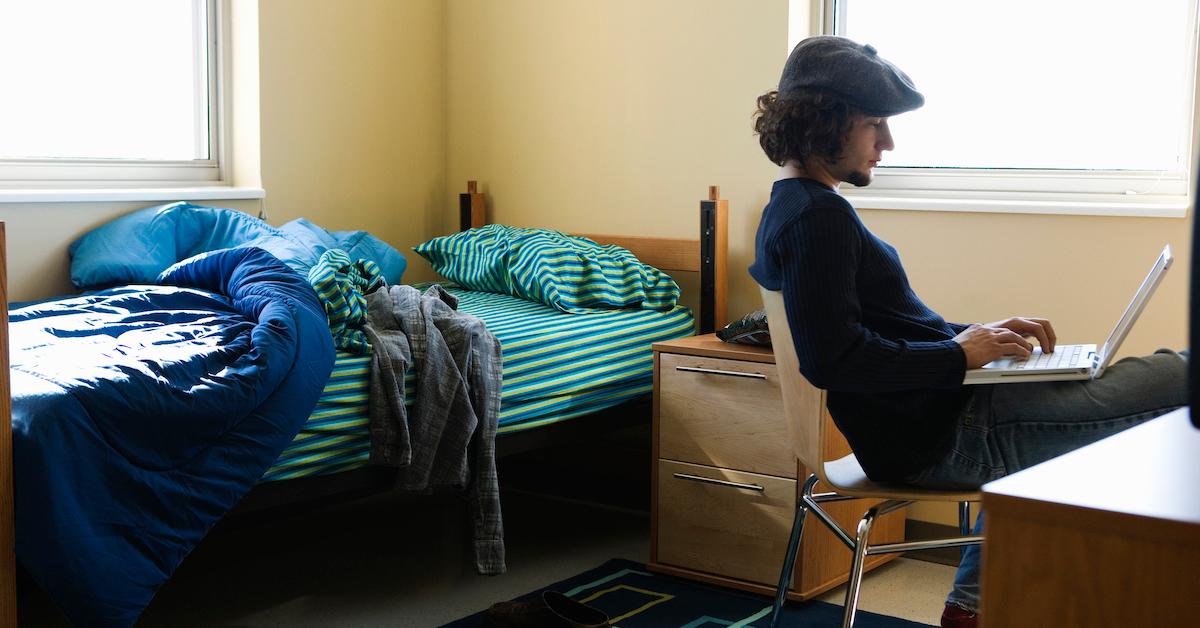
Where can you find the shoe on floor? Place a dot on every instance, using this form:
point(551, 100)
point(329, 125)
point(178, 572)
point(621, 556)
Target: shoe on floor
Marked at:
point(956, 616)
point(551, 609)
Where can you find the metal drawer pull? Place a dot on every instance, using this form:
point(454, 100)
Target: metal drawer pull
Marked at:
point(700, 478)
point(693, 369)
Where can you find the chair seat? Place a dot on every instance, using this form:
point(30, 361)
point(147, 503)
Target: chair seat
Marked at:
point(846, 476)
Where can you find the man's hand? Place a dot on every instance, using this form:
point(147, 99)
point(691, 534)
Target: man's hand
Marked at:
point(984, 343)
point(1039, 328)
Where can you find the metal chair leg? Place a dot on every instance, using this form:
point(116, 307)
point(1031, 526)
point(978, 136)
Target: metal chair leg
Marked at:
point(789, 560)
point(964, 522)
point(856, 567)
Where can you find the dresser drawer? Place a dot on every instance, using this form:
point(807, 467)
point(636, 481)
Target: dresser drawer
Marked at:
point(722, 413)
point(722, 528)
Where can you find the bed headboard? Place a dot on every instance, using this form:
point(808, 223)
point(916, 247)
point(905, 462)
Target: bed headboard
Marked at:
point(707, 254)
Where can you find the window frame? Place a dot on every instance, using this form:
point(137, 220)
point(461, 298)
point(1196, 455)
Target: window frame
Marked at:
point(1138, 193)
point(32, 180)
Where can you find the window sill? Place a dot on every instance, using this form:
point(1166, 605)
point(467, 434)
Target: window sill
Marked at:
point(94, 195)
point(1045, 205)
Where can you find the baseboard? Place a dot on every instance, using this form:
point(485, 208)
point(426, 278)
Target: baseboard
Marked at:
point(915, 530)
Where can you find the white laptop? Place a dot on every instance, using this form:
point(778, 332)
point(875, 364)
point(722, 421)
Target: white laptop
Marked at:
point(1073, 361)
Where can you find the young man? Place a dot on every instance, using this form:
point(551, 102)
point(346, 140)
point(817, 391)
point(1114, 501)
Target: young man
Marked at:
point(893, 367)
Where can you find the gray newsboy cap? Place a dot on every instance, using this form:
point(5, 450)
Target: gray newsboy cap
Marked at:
point(853, 71)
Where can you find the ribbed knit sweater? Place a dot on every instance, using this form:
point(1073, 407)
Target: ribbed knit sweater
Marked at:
point(892, 371)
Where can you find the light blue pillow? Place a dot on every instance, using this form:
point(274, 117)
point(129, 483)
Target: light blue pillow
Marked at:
point(136, 247)
point(363, 245)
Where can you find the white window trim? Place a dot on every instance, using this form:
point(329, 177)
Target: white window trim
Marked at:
point(39, 181)
point(1094, 193)
point(99, 195)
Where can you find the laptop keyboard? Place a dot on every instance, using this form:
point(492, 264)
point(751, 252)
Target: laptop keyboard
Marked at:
point(1064, 357)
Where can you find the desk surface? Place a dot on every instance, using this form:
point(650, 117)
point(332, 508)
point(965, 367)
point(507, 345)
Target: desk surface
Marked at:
point(1150, 472)
point(1105, 536)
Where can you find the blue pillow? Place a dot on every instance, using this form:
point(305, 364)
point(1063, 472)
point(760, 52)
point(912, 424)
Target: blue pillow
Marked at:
point(357, 244)
point(136, 247)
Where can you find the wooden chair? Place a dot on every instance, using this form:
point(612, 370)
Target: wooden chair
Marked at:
point(804, 408)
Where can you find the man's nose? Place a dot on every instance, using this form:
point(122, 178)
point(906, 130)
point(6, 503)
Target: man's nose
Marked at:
point(885, 141)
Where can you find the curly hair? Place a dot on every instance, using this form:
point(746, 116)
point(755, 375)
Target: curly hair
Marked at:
point(804, 125)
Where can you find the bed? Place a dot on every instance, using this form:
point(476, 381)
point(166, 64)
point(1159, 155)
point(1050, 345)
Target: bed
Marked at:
point(328, 455)
point(329, 461)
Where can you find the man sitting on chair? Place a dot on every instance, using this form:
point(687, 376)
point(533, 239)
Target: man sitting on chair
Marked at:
point(894, 368)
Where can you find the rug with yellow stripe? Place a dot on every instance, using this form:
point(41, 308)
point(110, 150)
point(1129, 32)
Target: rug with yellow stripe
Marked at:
point(635, 598)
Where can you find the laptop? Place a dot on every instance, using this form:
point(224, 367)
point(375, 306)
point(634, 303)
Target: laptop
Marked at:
point(1073, 361)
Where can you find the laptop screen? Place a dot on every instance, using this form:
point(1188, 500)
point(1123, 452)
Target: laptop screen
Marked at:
point(1134, 309)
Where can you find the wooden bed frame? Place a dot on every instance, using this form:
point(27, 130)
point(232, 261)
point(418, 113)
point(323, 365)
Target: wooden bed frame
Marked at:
point(8, 555)
point(706, 255)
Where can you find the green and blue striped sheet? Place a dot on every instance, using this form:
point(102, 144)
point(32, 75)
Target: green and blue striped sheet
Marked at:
point(557, 366)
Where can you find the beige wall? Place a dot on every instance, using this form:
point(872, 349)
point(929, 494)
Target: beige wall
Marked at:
point(353, 116)
point(613, 117)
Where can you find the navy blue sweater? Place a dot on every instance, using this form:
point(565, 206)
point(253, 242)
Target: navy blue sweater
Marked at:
point(893, 372)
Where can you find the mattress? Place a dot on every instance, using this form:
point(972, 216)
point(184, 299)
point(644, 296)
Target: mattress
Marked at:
point(557, 366)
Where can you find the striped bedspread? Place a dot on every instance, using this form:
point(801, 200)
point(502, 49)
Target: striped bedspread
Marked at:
point(556, 366)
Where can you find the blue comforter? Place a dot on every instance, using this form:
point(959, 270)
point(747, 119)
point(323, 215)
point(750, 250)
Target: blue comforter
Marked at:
point(142, 414)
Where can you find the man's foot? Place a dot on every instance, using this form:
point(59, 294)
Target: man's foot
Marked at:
point(956, 616)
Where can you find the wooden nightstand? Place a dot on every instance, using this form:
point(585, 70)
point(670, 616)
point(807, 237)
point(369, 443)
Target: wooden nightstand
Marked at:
point(724, 486)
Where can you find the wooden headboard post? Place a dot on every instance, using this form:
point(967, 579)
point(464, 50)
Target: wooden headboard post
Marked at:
point(707, 255)
point(472, 208)
point(714, 255)
point(8, 556)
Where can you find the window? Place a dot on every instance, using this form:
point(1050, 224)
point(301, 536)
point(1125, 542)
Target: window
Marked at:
point(110, 94)
point(1063, 106)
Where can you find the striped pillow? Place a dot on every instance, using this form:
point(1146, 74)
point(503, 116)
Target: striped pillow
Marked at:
point(570, 273)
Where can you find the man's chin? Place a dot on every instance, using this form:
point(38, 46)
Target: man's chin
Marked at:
point(860, 179)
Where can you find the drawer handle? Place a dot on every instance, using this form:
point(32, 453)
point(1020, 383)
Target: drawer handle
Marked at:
point(700, 478)
point(694, 369)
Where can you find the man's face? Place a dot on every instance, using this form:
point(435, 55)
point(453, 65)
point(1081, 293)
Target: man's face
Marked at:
point(863, 149)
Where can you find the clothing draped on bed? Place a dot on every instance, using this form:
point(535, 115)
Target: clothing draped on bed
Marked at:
point(557, 366)
point(447, 437)
point(142, 414)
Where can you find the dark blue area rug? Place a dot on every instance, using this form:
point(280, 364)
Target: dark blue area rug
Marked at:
point(635, 598)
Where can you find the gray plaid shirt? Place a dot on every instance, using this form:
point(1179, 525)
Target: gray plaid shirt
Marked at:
point(452, 427)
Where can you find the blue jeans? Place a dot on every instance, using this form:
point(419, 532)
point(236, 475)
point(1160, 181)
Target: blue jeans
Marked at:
point(1009, 427)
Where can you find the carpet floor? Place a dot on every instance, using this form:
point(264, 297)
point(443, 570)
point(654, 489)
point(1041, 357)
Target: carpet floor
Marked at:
point(632, 597)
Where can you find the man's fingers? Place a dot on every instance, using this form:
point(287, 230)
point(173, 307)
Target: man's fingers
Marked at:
point(1013, 349)
point(1039, 332)
point(1038, 328)
point(1051, 338)
point(1009, 336)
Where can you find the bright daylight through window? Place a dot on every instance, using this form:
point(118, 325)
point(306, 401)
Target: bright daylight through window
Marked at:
point(108, 92)
point(1032, 103)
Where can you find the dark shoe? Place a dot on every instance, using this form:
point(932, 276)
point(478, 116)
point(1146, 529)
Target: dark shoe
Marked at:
point(956, 616)
point(549, 610)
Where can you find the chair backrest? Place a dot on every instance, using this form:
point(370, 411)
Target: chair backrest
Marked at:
point(803, 403)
